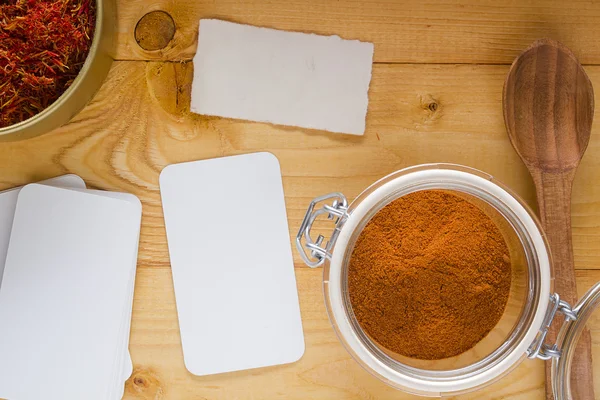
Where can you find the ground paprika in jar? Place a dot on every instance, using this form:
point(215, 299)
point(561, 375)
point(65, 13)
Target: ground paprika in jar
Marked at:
point(429, 276)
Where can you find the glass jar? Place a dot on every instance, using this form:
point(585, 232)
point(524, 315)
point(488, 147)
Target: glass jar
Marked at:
point(531, 306)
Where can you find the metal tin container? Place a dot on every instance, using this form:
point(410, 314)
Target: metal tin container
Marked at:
point(84, 87)
point(531, 307)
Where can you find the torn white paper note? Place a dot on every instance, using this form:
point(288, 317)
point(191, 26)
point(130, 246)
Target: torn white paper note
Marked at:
point(287, 78)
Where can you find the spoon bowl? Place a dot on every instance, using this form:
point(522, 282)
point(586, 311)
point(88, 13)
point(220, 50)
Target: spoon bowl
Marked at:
point(549, 106)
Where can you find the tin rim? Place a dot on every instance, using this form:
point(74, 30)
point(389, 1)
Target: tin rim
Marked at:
point(100, 30)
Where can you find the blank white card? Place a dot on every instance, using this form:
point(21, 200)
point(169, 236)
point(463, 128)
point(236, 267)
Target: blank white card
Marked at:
point(287, 78)
point(232, 264)
point(66, 282)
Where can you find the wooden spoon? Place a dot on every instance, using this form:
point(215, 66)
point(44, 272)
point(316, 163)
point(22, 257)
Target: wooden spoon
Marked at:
point(548, 109)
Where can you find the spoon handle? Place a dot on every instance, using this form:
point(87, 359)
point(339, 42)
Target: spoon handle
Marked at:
point(554, 201)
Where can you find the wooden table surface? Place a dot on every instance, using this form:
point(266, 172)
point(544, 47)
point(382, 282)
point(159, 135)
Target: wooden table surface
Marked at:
point(435, 96)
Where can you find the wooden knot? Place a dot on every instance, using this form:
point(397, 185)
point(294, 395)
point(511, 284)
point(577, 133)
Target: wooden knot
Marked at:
point(430, 103)
point(155, 30)
point(140, 382)
point(430, 109)
point(170, 86)
point(145, 384)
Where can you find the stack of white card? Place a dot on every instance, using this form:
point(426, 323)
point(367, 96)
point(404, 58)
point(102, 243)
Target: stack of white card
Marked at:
point(67, 262)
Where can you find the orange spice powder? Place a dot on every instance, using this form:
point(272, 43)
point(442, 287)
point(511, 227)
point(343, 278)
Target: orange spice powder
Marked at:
point(429, 276)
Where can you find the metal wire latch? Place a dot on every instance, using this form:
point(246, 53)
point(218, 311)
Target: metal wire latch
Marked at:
point(312, 251)
point(540, 349)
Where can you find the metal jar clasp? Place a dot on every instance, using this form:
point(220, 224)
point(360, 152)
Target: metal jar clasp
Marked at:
point(312, 251)
point(539, 348)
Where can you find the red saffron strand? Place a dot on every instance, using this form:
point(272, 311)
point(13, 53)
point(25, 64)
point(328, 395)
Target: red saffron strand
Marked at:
point(43, 45)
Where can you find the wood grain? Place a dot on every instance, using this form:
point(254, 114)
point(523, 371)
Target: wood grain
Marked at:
point(554, 200)
point(325, 371)
point(139, 123)
point(548, 105)
point(408, 31)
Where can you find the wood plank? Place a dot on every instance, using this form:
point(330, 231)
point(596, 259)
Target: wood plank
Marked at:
point(139, 123)
point(326, 371)
point(410, 31)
